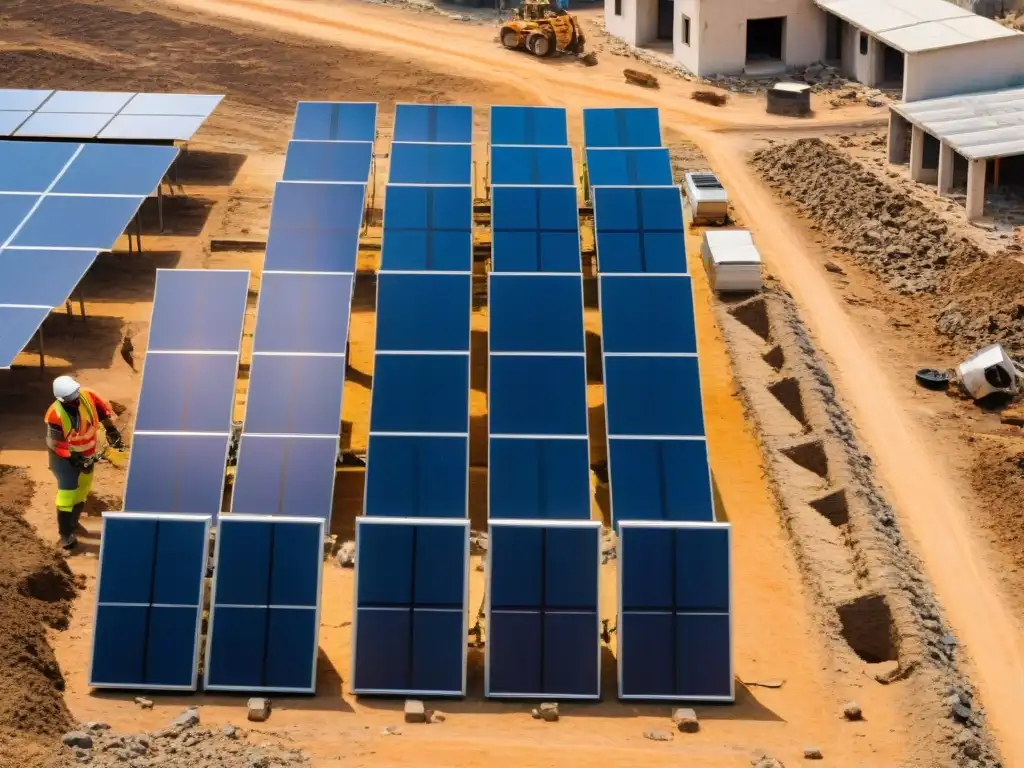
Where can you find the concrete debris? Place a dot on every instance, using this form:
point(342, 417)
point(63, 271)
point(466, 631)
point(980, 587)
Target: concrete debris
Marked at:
point(852, 711)
point(831, 266)
point(230, 731)
point(812, 753)
point(187, 719)
point(346, 556)
point(547, 712)
point(79, 739)
point(259, 710)
point(686, 720)
point(658, 735)
point(478, 543)
point(94, 726)
point(960, 712)
point(143, 702)
point(766, 761)
point(415, 712)
point(436, 716)
point(968, 744)
point(390, 730)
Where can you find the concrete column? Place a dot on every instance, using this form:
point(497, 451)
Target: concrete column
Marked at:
point(976, 189)
point(897, 138)
point(916, 153)
point(945, 168)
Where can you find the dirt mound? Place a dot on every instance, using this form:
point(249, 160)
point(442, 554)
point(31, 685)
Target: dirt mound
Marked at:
point(987, 305)
point(998, 473)
point(36, 589)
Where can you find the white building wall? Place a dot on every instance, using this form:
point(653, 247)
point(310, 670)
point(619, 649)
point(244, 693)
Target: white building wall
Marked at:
point(622, 25)
point(856, 65)
point(687, 55)
point(983, 66)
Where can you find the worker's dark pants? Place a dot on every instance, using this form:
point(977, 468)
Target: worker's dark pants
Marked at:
point(72, 489)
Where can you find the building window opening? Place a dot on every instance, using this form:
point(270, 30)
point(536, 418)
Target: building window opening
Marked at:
point(686, 30)
point(618, 7)
point(863, 43)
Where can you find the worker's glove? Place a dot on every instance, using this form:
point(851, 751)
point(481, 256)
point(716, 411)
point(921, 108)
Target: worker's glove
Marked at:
point(114, 438)
point(77, 461)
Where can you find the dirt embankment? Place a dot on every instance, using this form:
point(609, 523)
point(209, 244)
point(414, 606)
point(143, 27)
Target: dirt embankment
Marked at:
point(36, 590)
point(973, 297)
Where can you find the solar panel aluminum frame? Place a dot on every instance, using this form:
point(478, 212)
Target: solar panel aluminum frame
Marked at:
point(586, 166)
point(469, 250)
point(443, 106)
point(449, 521)
point(376, 114)
point(319, 604)
point(519, 523)
point(679, 525)
point(207, 521)
point(490, 162)
point(579, 246)
point(490, 123)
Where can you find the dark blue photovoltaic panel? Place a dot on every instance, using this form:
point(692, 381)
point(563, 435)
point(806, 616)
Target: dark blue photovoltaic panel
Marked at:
point(529, 126)
point(515, 652)
point(41, 277)
point(291, 476)
point(438, 650)
point(543, 166)
point(434, 123)
point(675, 568)
point(303, 313)
point(423, 312)
point(628, 167)
point(328, 161)
point(531, 395)
point(428, 228)
point(536, 314)
point(238, 648)
point(535, 229)
point(291, 649)
point(420, 393)
point(187, 393)
point(646, 651)
point(417, 476)
point(653, 396)
point(17, 327)
point(538, 479)
point(570, 666)
point(295, 395)
point(31, 166)
point(78, 222)
point(537, 565)
point(335, 121)
point(647, 314)
point(312, 206)
point(116, 169)
point(382, 635)
point(176, 473)
point(660, 480)
point(639, 230)
point(431, 164)
point(420, 564)
point(200, 309)
point(621, 127)
point(311, 250)
point(13, 210)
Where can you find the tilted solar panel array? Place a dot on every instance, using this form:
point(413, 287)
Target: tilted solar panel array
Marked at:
point(183, 420)
point(102, 115)
point(657, 449)
point(289, 445)
point(60, 204)
point(410, 635)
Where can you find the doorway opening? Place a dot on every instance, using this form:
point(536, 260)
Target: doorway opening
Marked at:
point(892, 67)
point(834, 31)
point(765, 39)
point(666, 18)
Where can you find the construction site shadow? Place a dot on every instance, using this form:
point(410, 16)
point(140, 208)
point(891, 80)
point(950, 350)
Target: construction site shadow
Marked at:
point(202, 168)
point(184, 215)
point(124, 277)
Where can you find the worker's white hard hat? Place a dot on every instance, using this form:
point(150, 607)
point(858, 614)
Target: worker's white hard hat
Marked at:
point(65, 388)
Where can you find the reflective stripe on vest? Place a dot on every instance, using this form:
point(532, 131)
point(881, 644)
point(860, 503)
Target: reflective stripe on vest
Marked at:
point(83, 439)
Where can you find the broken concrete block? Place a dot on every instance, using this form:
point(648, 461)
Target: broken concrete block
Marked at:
point(685, 720)
point(436, 716)
point(390, 730)
point(346, 556)
point(143, 702)
point(79, 739)
point(93, 726)
point(852, 711)
point(187, 719)
point(259, 710)
point(812, 753)
point(415, 712)
point(658, 735)
point(230, 731)
point(547, 712)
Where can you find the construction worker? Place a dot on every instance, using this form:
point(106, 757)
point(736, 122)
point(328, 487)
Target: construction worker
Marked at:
point(71, 424)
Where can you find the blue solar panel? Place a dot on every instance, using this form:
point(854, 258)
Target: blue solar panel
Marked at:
point(86, 101)
point(264, 616)
point(187, 393)
point(312, 206)
point(416, 476)
point(311, 250)
point(639, 230)
point(628, 167)
point(535, 478)
point(328, 161)
point(172, 104)
point(653, 396)
point(621, 127)
point(295, 395)
point(444, 123)
point(660, 480)
point(279, 475)
point(112, 169)
point(536, 314)
point(535, 230)
point(431, 164)
point(31, 166)
point(411, 593)
point(17, 327)
point(543, 166)
point(423, 312)
point(531, 395)
point(303, 313)
point(428, 228)
point(149, 602)
point(335, 121)
point(41, 277)
point(674, 589)
point(543, 623)
point(198, 310)
point(529, 126)
point(77, 222)
point(176, 473)
point(647, 315)
point(63, 126)
point(13, 99)
point(13, 210)
point(420, 393)
point(152, 127)
point(11, 121)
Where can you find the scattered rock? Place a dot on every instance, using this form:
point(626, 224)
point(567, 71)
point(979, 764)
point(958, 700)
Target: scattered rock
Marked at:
point(831, 266)
point(436, 716)
point(94, 726)
point(230, 731)
point(547, 712)
point(686, 720)
point(812, 753)
point(390, 730)
point(852, 711)
point(143, 702)
point(968, 743)
point(187, 719)
point(346, 556)
point(259, 709)
point(960, 712)
point(415, 712)
point(766, 761)
point(658, 735)
point(885, 671)
point(79, 739)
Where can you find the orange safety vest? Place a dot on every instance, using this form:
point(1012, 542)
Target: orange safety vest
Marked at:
point(83, 439)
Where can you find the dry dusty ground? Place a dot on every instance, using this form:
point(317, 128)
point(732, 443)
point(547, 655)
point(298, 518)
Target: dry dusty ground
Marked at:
point(265, 55)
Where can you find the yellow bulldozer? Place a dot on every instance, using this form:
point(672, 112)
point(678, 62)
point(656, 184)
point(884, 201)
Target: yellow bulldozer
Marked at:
point(544, 30)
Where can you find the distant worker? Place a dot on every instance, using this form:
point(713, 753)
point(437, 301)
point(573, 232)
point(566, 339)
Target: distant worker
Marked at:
point(71, 424)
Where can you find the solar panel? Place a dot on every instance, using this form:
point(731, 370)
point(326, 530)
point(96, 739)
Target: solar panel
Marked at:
point(532, 165)
point(295, 394)
point(629, 167)
point(328, 161)
point(652, 396)
point(639, 230)
point(335, 121)
point(425, 163)
point(535, 126)
point(536, 313)
point(12, 99)
point(434, 123)
point(86, 101)
point(11, 121)
point(427, 228)
point(647, 315)
point(543, 623)
point(420, 393)
point(305, 313)
point(62, 126)
point(149, 602)
point(265, 609)
point(17, 326)
point(172, 104)
point(291, 475)
point(77, 222)
point(417, 476)
point(183, 422)
point(675, 611)
point(660, 479)
point(538, 478)
point(621, 127)
point(314, 227)
point(412, 591)
point(535, 229)
point(423, 312)
point(150, 127)
point(538, 395)
point(41, 278)
point(110, 169)
point(32, 166)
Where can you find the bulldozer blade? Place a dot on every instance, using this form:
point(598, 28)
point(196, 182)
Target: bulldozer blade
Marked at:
point(589, 59)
